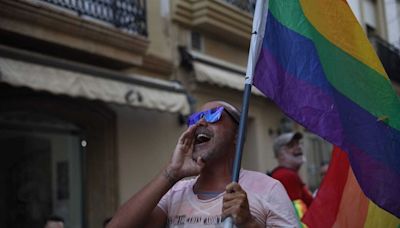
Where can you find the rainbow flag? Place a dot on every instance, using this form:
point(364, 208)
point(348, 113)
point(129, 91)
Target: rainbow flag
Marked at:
point(331, 207)
point(300, 209)
point(317, 65)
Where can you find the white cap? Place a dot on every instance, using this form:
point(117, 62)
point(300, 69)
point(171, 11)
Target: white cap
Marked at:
point(285, 139)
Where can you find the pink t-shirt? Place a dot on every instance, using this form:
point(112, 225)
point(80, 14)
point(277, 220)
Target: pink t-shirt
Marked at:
point(268, 200)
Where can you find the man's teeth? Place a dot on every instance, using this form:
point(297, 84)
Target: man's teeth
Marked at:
point(201, 138)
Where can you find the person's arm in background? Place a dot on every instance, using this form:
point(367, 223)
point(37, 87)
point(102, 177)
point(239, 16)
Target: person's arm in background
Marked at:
point(141, 209)
point(307, 196)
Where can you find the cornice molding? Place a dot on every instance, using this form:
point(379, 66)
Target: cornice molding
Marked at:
point(157, 64)
point(214, 17)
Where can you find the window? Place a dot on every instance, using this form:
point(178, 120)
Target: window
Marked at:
point(196, 41)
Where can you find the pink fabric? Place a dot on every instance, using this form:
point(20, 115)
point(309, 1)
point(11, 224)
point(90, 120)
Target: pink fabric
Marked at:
point(269, 203)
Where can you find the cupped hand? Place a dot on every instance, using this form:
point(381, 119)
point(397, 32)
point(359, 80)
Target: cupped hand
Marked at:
point(182, 163)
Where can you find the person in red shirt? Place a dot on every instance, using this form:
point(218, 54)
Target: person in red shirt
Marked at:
point(289, 153)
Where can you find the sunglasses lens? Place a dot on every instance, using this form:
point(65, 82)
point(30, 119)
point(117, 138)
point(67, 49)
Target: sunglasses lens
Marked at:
point(194, 118)
point(211, 116)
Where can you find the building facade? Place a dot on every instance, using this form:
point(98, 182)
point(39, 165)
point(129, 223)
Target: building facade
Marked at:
point(86, 104)
point(381, 22)
point(94, 95)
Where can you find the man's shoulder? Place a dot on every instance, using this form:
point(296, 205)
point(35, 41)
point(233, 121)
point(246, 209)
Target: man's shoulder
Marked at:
point(282, 171)
point(288, 177)
point(183, 184)
point(257, 181)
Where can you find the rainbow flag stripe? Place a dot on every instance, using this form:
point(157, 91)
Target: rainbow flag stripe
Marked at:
point(317, 65)
point(300, 209)
point(331, 207)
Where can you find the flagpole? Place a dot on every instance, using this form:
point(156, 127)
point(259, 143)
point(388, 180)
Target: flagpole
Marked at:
point(257, 35)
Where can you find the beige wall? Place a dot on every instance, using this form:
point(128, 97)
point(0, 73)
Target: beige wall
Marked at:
point(220, 49)
point(145, 142)
point(158, 29)
point(267, 117)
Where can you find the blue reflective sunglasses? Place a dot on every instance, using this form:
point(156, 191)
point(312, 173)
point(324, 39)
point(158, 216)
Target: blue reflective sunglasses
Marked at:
point(210, 116)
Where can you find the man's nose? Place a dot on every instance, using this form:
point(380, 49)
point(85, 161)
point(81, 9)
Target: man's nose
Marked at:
point(202, 121)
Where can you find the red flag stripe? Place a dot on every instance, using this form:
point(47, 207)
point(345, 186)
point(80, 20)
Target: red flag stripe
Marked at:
point(326, 205)
point(353, 208)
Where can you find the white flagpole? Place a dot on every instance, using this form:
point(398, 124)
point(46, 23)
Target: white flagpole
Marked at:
point(259, 22)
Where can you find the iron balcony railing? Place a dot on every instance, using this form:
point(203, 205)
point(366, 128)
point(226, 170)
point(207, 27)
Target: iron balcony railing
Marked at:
point(389, 56)
point(246, 5)
point(128, 15)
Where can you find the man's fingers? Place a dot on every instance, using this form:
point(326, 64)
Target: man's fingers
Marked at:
point(233, 187)
point(234, 195)
point(238, 215)
point(231, 211)
point(235, 203)
point(188, 135)
point(186, 140)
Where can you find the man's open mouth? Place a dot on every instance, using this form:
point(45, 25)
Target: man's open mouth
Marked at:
point(202, 136)
point(298, 154)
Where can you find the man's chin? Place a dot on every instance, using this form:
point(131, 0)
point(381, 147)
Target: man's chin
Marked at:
point(201, 154)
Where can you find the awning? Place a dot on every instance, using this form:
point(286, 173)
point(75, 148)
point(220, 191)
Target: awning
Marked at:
point(220, 73)
point(94, 84)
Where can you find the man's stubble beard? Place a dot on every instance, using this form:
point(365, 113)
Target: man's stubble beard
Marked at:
point(217, 151)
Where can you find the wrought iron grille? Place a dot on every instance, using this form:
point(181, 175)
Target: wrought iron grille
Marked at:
point(128, 15)
point(246, 5)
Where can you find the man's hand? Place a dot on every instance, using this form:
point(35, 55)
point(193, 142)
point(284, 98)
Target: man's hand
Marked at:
point(182, 164)
point(236, 205)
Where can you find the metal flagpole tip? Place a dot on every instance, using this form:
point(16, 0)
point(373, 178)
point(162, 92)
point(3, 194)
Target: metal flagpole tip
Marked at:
point(228, 222)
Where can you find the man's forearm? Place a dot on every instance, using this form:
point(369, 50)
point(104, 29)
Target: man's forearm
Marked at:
point(139, 207)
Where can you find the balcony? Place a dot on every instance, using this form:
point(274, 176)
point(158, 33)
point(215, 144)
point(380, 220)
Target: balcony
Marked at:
point(225, 19)
point(389, 56)
point(128, 15)
point(246, 5)
point(112, 33)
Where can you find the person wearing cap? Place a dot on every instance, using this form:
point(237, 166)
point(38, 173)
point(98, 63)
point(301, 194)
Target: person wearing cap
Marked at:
point(289, 154)
point(206, 151)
